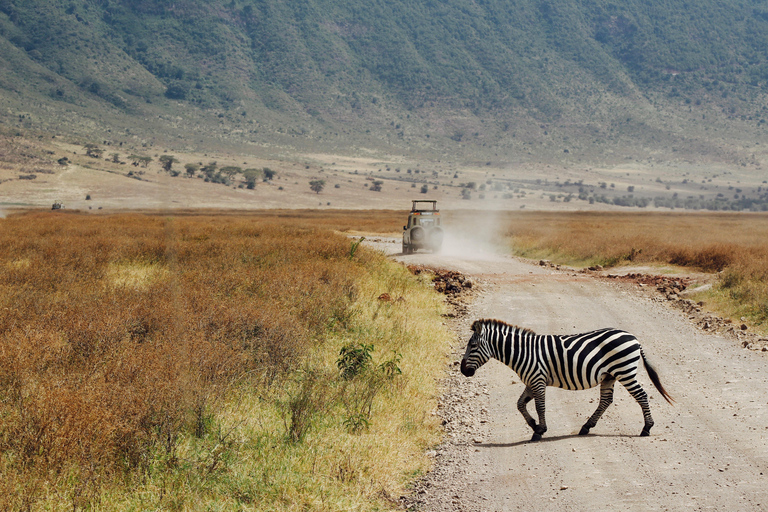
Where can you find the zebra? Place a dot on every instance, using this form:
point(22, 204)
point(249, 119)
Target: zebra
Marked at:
point(576, 361)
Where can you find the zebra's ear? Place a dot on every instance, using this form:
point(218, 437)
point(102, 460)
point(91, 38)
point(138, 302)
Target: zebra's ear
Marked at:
point(476, 326)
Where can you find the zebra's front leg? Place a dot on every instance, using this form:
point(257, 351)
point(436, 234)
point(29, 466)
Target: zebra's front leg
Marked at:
point(522, 406)
point(606, 399)
point(539, 394)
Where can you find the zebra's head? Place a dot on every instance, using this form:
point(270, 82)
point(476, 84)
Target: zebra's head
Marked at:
point(477, 353)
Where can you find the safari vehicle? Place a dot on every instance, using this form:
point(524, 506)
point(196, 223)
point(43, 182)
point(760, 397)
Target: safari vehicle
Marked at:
point(423, 230)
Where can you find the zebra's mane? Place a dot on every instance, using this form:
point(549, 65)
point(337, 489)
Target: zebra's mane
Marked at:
point(477, 324)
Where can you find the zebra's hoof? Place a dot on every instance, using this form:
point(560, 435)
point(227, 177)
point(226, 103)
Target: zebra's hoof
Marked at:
point(536, 437)
point(584, 430)
point(645, 433)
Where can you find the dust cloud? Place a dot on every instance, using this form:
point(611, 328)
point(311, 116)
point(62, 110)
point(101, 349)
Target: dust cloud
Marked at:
point(474, 236)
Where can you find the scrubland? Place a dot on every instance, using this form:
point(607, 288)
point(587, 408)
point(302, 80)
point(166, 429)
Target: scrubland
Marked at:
point(231, 361)
point(733, 247)
point(217, 362)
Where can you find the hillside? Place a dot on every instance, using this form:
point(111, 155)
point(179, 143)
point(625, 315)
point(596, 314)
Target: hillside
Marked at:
point(563, 82)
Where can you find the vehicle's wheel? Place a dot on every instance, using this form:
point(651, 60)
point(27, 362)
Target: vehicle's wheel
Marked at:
point(418, 234)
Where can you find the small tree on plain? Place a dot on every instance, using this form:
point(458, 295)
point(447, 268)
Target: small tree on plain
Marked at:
point(209, 170)
point(317, 186)
point(167, 162)
point(231, 170)
point(251, 175)
point(93, 150)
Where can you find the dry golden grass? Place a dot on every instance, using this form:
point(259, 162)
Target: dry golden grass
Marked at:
point(734, 244)
point(707, 241)
point(344, 221)
point(157, 362)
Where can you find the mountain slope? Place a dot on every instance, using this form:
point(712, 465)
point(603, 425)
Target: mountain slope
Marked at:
point(530, 76)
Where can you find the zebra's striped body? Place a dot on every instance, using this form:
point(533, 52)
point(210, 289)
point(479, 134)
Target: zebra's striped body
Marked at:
point(577, 361)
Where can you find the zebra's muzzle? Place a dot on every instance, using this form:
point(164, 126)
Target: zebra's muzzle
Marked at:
point(465, 370)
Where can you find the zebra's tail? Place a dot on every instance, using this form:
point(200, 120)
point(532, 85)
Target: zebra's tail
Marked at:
point(655, 379)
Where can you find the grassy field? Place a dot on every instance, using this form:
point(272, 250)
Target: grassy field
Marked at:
point(216, 362)
point(732, 246)
point(231, 361)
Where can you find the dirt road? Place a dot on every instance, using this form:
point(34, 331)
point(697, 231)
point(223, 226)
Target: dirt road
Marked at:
point(708, 452)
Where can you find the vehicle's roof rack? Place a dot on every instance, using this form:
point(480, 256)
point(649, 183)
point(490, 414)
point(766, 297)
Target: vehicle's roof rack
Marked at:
point(414, 208)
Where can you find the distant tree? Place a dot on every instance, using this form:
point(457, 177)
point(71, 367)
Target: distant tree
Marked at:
point(136, 160)
point(231, 170)
point(376, 185)
point(251, 176)
point(268, 174)
point(167, 162)
point(177, 91)
point(115, 157)
point(93, 150)
point(317, 186)
point(209, 170)
point(424, 188)
point(191, 169)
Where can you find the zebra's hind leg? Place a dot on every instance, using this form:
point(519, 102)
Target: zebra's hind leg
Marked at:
point(606, 399)
point(639, 394)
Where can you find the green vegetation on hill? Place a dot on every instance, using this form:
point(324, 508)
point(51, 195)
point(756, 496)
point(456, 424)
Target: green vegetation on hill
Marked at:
point(406, 70)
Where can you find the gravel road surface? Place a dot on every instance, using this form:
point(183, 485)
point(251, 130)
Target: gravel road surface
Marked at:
point(707, 452)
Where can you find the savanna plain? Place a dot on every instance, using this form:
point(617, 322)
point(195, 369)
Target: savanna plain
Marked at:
point(265, 360)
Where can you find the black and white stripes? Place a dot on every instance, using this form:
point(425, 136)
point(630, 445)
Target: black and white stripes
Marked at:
point(577, 361)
